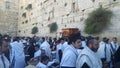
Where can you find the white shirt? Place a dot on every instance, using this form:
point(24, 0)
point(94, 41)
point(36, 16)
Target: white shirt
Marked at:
point(101, 51)
point(41, 65)
point(69, 57)
point(59, 47)
point(90, 58)
point(37, 53)
point(113, 46)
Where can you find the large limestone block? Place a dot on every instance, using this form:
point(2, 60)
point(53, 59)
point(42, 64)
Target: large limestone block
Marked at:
point(85, 4)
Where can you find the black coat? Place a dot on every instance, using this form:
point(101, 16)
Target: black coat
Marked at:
point(117, 56)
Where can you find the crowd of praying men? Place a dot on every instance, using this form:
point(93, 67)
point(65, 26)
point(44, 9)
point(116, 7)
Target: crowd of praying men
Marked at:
point(75, 51)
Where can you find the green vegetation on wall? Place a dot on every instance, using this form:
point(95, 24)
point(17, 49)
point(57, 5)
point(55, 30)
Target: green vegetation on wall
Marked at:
point(29, 7)
point(97, 21)
point(34, 30)
point(53, 27)
point(24, 15)
point(93, 0)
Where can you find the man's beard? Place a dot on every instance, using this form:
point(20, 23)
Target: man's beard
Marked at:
point(93, 49)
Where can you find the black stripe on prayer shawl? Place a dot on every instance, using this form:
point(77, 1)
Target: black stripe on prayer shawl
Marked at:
point(85, 66)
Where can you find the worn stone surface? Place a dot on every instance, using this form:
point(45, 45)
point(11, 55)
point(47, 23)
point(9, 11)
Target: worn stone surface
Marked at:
point(9, 17)
point(67, 14)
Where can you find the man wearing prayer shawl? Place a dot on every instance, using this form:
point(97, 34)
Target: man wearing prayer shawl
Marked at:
point(88, 57)
point(46, 46)
point(4, 63)
point(17, 56)
point(70, 53)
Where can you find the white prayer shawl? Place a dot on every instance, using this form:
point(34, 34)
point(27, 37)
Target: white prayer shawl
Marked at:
point(17, 54)
point(69, 57)
point(45, 45)
point(115, 46)
point(65, 45)
point(7, 64)
point(79, 51)
point(11, 54)
point(50, 63)
point(90, 58)
point(101, 51)
point(30, 66)
point(37, 54)
point(59, 47)
point(108, 53)
point(83, 44)
point(41, 65)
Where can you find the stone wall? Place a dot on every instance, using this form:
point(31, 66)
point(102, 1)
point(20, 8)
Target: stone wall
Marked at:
point(66, 13)
point(9, 17)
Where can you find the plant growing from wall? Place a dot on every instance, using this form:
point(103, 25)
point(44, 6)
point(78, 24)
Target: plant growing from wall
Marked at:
point(24, 15)
point(34, 30)
point(53, 27)
point(29, 7)
point(97, 21)
point(26, 21)
point(93, 0)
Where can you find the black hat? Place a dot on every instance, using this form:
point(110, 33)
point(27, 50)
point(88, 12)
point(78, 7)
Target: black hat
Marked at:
point(105, 39)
